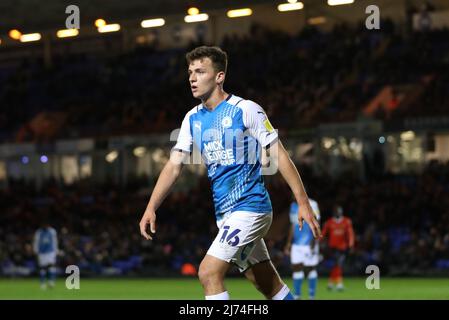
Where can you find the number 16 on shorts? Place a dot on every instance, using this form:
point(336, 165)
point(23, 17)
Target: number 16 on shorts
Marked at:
point(230, 237)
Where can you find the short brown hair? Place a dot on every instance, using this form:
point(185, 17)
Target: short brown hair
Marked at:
point(218, 57)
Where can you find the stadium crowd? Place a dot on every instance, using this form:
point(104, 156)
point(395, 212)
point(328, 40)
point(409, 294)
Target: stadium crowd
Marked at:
point(302, 80)
point(399, 220)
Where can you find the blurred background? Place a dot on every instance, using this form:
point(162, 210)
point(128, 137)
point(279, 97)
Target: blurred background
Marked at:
point(86, 117)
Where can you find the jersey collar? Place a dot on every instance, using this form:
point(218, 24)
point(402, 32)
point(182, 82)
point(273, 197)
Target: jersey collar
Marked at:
point(219, 105)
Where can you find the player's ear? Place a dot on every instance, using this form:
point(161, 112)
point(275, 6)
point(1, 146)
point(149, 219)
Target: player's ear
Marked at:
point(220, 77)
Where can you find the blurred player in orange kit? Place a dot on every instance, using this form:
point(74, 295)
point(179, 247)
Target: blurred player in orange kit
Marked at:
point(339, 234)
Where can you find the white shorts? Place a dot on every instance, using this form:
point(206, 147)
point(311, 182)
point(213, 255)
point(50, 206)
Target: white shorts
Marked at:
point(301, 254)
point(46, 259)
point(239, 239)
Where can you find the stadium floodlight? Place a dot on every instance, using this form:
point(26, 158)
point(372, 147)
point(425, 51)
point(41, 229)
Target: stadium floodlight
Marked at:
point(328, 142)
point(239, 13)
point(292, 1)
point(151, 23)
point(100, 23)
point(139, 152)
point(407, 135)
point(158, 155)
point(109, 28)
point(111, 156)
point(196, 18)
point(317, 20)
point(15, 34)
point(290, 6)
point(30, 37)
point(66, 33)
point(193, 11)
point(339, 2)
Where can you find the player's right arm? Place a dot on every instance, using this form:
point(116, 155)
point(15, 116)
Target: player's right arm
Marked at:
point(166, 180)
point(167, 177)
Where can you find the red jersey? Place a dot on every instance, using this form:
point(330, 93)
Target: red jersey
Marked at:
point(340, 233)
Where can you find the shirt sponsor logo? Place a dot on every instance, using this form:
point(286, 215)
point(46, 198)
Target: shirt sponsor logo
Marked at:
point(215, 152)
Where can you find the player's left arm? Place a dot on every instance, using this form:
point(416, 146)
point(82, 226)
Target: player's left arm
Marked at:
point(293, 179)
point(256, 120)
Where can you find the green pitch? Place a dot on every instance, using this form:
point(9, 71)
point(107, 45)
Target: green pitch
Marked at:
point(190, 289)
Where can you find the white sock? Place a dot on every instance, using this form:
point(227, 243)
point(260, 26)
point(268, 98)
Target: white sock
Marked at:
point(282, 293)
point(221, 296)
point(298, 275)
point(312, 274)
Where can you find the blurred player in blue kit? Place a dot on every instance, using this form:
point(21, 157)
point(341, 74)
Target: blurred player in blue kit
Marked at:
point(45, 246)
point(303, 250)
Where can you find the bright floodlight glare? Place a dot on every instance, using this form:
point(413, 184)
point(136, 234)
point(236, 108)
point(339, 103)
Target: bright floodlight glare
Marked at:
point(239, 13)
point(193, 11)
point(196, 18)
point(151, 23)
point(15, 34)
point(290, 6)
point(100, 23)
point(65, 33)
point(109, 28)
point(30, 37)
point(339, 2)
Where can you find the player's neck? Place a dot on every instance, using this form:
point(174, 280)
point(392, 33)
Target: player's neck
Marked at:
point(215, 98)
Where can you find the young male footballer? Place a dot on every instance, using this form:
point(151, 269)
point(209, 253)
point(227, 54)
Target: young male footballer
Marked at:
point(231, 133)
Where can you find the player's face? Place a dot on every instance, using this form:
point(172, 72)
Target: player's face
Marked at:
point(202, 78)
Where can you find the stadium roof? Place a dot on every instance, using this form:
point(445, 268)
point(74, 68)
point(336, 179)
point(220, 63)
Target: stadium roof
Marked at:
point(37, 14)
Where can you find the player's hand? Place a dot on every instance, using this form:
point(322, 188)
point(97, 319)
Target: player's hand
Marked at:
point(306, 213)
point(148, 218)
